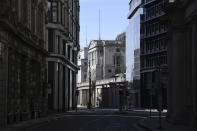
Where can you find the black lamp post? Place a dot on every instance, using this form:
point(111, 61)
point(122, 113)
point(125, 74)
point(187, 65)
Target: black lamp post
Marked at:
point(160, 107)
point(90, 90)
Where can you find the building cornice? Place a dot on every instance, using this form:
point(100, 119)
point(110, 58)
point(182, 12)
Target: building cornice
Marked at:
point(64, 59)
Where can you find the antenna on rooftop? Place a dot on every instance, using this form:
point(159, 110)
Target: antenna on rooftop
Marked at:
point(86, 37)
point(99, 24)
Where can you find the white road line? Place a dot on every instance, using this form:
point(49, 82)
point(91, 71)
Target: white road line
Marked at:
point(102, 116)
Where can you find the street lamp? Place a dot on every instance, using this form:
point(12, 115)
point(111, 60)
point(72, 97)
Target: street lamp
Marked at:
point(90, 90)
point(159, 92)
point(77, 94)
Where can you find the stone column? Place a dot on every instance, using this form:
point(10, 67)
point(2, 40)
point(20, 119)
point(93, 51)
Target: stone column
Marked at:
point(176, 69)
point(188, 72)
point(194, 71)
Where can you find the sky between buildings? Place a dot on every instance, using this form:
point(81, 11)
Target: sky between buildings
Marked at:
point(113, 14)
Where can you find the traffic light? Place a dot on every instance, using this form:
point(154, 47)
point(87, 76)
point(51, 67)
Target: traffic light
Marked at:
point(120, 90)
point(127, 93)
point(77, 91)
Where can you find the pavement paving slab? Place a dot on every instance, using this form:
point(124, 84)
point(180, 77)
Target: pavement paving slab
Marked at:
point(152, 124)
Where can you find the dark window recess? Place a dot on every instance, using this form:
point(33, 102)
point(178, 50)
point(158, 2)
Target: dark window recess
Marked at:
point(118, 60)
point(109, 71)
point(117, 50)
point(73, 56)
point(58, 44)
point(64, 48)
point(69, 52)
point(85, 76)
point(50, 81)
point(117, 71)
point(53, 11)
point(50, 40)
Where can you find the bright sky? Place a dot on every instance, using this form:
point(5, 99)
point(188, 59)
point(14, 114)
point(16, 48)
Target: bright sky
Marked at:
point(113, 19)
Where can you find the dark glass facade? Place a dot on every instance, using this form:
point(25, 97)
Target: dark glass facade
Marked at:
point(153, 52)
point(133, 51)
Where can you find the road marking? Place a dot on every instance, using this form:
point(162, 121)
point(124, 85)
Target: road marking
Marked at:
point(142, 117)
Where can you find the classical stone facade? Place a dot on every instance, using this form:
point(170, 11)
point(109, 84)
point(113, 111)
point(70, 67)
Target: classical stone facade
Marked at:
point(182, 46)
point(22, 60)
point(83, 65)
point(63, 46)
point(106, 59)
point(105, 93)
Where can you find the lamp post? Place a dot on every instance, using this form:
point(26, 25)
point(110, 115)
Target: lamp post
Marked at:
point(77, 94)
point(159, 93)
point(90, 90)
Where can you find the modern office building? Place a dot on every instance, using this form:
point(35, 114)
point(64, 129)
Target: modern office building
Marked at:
point(133, 51)
point(63, 46)
point(83, 65)
point(153, 53)
point(22, 60)
point(182, 58)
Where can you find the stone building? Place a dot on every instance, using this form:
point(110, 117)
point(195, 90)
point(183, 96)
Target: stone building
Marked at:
point(63, 46)
point(153, 53)
point(83, 65)
point(105, 93)
point(133, 34)
point(121, 37)
point(182, 58)
point(22, 60)
point(106, 59)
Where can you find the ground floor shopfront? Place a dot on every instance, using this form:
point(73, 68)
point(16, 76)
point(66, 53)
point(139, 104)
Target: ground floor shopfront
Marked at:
point(61, 86)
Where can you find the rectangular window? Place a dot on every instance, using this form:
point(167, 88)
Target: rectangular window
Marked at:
point(118, 60)
point(54, 8)
point(73, 56)
point(53, 11)
point(64, 48)
point(68, 52)
point(58, 44)
point(50, 40)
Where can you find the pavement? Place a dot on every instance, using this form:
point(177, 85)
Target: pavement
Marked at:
point(22, 126)
point(152, 124)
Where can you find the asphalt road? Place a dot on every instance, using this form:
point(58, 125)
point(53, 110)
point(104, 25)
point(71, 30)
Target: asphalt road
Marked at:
point(94, 121)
